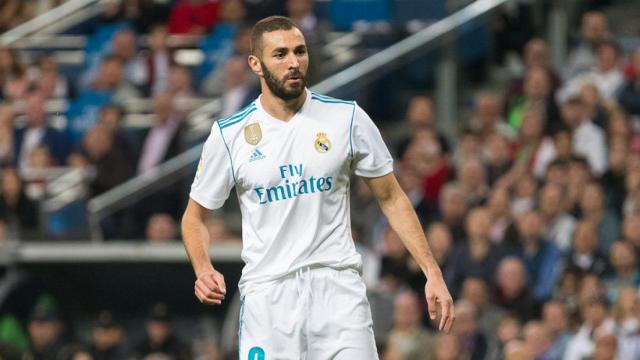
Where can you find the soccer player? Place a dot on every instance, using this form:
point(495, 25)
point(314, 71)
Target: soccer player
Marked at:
point(289, 155)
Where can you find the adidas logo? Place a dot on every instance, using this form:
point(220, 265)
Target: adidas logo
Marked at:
point(256, 154)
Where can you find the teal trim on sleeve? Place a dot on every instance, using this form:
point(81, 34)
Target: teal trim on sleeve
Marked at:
point(238, 119)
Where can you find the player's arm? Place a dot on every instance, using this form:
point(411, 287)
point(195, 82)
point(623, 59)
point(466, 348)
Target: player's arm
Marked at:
point(403, 220)
point(209, 286)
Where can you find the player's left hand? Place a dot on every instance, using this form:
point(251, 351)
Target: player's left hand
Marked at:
point(437, 293)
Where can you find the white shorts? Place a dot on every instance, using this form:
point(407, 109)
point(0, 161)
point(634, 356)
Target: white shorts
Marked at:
point(313, 314)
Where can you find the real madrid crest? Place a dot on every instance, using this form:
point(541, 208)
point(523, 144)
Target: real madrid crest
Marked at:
point(253, 133)
point(322, 143)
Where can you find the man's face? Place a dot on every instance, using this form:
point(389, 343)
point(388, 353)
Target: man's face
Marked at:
point(283, 63)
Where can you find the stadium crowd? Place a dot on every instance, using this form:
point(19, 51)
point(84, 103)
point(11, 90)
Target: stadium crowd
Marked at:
point(532, 210)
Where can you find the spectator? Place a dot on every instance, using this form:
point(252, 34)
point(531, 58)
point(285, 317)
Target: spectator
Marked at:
point(407, 337)
point(441, 243)
point(538, 91)
point(588, 139)
point(499, 206)
point(498, 157)
point(161, 228)
point(15, 12)
point(508, 330)
point(595, 105)
point(625, 269)
point(159, 59)
point(124, 45)
point(107, 338)
point(446, 347)
point(594, 30)
point(537, 339)
point(467, 148)
point(487, 118)
point(420, 114)
point(110, 119)
point(607, 76)
point(606, 348)
point(164, 139)
point(534, 150)
point(556, 175)
point(396, 271)
point(181, 89)
point(16, 86)
point(160, 337)
point(424, 158)
point(6, 135)
point(513, 295)
point(45, 332)
point(10, 67)
point(38, 132)
point(47, 78)
point(517, 350)
point(542, 258)
point(488, 315)
point(110, 78)
point(17, 211)
point(613, 180)
point(193, 17)
point(585, 258)
point(112, 163)
point(525, 194)
point(592, 206)
point(215, 80)
point(472, 179)
point(477, 257)
point(556, 320)
point(626, 312)
point(558, 224)
point(452, 211)
point(596, 323)
point(473, 343)
point(3, 232)
point(629, 97)
point(239, 89)
point(74, 352)
point(219, 232)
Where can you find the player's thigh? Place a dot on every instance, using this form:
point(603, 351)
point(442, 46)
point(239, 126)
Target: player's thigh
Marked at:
point(340, 325)
point(270, 324)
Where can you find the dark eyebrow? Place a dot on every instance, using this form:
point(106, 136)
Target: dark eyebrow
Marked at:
point(279, 50)
point(300, 47)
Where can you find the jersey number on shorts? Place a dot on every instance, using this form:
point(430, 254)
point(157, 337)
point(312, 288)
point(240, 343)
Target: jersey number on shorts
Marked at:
point(256, 353)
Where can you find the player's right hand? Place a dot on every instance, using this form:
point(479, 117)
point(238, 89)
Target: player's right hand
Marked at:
point(210, 288)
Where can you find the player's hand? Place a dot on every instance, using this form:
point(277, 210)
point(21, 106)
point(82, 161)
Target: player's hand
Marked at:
point(437, 293)
point(210, 288)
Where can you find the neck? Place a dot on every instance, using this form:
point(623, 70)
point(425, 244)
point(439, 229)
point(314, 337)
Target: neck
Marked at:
point(279, 108)
point(531, 246)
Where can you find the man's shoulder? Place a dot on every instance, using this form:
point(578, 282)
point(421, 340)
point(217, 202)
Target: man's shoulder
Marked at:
point(330, 101)
point(230, 123)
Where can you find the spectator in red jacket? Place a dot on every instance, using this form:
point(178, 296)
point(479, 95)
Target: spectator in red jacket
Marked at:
point(195, 17)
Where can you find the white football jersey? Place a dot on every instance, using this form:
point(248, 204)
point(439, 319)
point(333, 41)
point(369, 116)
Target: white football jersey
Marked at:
point(292, 181)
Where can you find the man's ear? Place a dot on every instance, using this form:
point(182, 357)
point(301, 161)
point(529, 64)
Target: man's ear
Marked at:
point(255, 65)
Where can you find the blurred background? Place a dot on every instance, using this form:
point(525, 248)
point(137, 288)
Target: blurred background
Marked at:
point(515, 125)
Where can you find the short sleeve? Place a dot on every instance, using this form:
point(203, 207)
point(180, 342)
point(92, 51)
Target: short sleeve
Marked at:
point(214, 178)
point(371, 158)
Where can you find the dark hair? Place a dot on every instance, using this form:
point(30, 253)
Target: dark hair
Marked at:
point(610, 44)
point(269, 24)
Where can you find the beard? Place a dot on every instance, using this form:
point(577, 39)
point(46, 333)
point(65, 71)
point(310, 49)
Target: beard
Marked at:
point(279, 88)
